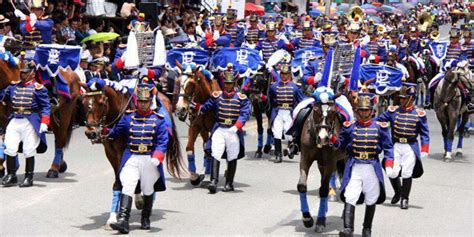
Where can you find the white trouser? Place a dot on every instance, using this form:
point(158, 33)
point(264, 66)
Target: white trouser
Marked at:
point(363, 179)
point(282, 123)
point(404, 159)
point(225, 140)
point(21, 130)
point(139, 167)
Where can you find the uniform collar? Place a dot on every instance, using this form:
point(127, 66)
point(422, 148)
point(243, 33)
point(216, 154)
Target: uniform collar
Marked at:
point(285, 83)
point(408, 109)
point(28, 83)
point(228, 94)
point(146, 113)
point(365, 123)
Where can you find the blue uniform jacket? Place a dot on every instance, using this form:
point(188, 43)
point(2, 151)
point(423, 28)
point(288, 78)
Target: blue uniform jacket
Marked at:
point(31, 97)
point(300, 43)
point(409, 124)
point(284, 93)
point(361, 142)
point(45, 26)
point(146, 135)
point(231, 111)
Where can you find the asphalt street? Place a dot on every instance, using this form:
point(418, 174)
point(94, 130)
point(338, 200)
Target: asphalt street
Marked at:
point(265, 202)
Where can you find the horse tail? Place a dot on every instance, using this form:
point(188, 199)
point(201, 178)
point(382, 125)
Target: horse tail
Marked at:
point(174, 158)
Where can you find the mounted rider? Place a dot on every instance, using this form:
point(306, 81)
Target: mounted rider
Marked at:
point(407, 123)
point(36, 28)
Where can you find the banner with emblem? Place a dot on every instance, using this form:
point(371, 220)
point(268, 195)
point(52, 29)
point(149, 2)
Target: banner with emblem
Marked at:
point(52, 57)
point(302, 57)
point(245, 60)
point(186, 56)
point(439, 50)
point(387, 79)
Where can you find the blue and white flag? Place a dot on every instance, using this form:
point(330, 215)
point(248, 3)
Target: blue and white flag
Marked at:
point(186, 56)
point(52, 57)
point(327, 71)
point(245, 60)
point(386, 78)
point(289, 29)
point(439, 50)
point(302, 57)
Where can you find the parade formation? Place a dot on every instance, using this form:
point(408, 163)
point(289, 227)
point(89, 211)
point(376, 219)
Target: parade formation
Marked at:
point(348, 91)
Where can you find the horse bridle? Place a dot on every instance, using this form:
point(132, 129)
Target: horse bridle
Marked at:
point(317, 127)
point(189, 98)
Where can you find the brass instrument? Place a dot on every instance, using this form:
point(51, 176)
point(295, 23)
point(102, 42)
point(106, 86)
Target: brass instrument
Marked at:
point(355, 14)
point(424, 21)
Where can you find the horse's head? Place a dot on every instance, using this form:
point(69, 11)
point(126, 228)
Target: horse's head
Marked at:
point(189, 82)
point(324, 119)
point(96, 104)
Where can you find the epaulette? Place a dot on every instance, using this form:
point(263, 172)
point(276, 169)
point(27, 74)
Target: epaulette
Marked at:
point(382, 124)
point(348, 123)
point(15, 82)
point(392, 108)
point(421, 112)
point(129, 111)
point(241, 96)
point(158, 114)
point(38, 86)
point(216, 93)
point(463, 48)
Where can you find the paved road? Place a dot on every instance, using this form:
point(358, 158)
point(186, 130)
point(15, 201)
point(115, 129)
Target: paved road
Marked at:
point(265, 202)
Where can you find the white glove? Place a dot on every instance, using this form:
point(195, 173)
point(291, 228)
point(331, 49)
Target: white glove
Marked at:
point(20, 14)
point(155, 161)
point(33, 19)
point(143, 71)
point(43, 128)
point(216, 35)
point(233, 129)
point(424, 155)
point(462, 63)
point(285, 40)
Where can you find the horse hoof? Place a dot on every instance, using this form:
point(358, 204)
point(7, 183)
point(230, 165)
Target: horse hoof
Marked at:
point(139, 202)
point(63, 167)
point(301, 188)
point(267, 148)
point(320, 225)
point(285, 152)
point(112, 219)
point(258, 154)
point(197, 181)
point(459, 152)
point(307, 220)
point(52, 174)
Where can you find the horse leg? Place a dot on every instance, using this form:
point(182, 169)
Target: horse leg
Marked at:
point(207, 158)
point(449, 138)
point(268, 144)
point(462, 128)
point(305, 164)
point(259, 117)
point(323, 197)
point(192, 135)
point(332, 195)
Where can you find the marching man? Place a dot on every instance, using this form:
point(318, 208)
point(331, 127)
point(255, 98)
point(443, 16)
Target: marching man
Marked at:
point(142, 160)
point(363, 140)
point(284, 95)
point(233, 110)
point(28, 122)
point(36, 27)
point(407, 123)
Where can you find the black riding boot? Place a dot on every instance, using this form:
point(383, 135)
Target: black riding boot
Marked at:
point(124, 214)
point(30, 167)
point(469, 104)
point(146, 212)
point(348, 221)
point(406, 187)
point(278, 155)
point(258, 153)
point(214, 176)
point(396, 185)
point(368, 218)
point(229, 180)
point(11, 178)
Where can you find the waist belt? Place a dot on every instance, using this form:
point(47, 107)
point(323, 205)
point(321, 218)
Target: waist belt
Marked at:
point(227, 122)
point(140, 148)
point(365, 156)
point(285, 106)
point(25, 111)
point(404, 140)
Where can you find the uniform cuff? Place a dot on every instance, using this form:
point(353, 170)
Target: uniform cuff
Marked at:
point(388, 163)
point(151, 73)
point(239, 124)
point(377, 59)
point(159, 155)
point(45, 119)
point(310, 81)
point(425, 148)
point(119, 64)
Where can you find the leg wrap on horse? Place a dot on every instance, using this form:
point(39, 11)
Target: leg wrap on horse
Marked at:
point(304, 203)
point(449, 145)
point(260, 140)
point(460, 140)
point(115, 201)
point(269, 137)
point(58, 156)
point(323, 207)
point(191, 163)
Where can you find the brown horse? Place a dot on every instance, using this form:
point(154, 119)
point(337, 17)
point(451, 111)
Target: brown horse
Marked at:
point(448, 107)
point(321, 124)
point(196, 89)
point(105, 108)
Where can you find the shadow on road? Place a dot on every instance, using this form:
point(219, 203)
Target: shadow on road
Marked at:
point(98, 222)
point(63, 178)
